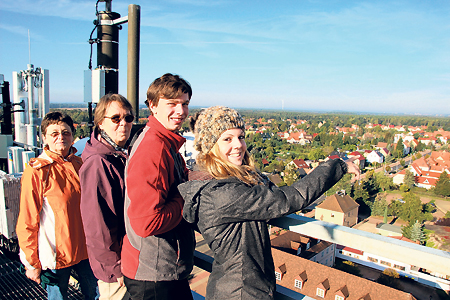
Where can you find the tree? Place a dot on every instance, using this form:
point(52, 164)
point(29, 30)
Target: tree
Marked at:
point(443, 185)
point(316, 154)
point(349, 267)
point(379, 207)
point(389, 277)
point(411, 210)
point(387, 161)
point(409, 179)
point(404, 188)
point(361, 194)
point(395, 208)
point(417, 233)
point(384, 182)
point(398, 152)
point(343, 184)
point(290, 174)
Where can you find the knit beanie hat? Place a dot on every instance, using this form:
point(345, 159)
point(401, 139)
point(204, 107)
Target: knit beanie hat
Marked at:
point(208, 124)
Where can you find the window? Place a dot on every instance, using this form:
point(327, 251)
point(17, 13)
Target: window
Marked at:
point(277, 276)
point(298, 284)
point(385, 263)
point(320, 293)
point(399, 267)
point(332, 215)
point(372, 259)
point(337, 297)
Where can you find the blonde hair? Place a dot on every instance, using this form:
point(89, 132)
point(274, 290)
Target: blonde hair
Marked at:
point(220, 168)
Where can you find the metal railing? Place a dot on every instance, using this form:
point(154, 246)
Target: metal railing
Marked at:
point(406, 252)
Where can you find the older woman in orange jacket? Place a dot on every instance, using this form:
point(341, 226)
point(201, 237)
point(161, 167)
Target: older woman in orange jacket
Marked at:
point(49, 227)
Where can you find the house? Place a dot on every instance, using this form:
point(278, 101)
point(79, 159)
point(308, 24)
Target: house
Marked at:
point(406, 147)
point(294, 138)
point(375, 157)
point(427, 170)
point(275, 178)
point(341, 210)
point(416, 273)
point(368, 136)
point(321, 282)
point(427, 140)
point(385, 152)
point(302, 167)
point(319, 251)
point(359, 160)
point(399, 178)
point(389, 230)
point(283, 135)
point(381, 145)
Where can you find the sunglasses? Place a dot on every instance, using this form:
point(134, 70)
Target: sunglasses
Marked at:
point(117, 118)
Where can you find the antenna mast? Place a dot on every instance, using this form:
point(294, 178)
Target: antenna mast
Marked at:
point(29, 47)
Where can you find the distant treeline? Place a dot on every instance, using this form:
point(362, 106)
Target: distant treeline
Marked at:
point(347, 119)
point(313, 118)
point(80, 105)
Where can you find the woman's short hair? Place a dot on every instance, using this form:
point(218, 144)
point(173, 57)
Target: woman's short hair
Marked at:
point(105, 101)
point(56, 117)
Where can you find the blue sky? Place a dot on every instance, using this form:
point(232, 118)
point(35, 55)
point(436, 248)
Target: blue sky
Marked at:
point(358, 56)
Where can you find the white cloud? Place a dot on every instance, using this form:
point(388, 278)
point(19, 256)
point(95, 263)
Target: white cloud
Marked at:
point(22, 31)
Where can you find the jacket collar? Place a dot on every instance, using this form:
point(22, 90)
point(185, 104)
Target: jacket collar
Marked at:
point(95, 146)
point(47, 157)
point(175, 139)
point(52, 156)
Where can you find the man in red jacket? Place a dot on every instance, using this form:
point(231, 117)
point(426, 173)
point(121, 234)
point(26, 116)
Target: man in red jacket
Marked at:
point(157, 252)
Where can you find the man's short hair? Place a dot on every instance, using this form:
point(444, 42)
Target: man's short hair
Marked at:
point(168, 86)
point(56, 117)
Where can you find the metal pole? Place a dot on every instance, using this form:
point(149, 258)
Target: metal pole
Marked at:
point(134, 24)
point(6, 125)
point(108, 49)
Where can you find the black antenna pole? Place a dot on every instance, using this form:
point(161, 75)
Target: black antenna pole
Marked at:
point(108, 47)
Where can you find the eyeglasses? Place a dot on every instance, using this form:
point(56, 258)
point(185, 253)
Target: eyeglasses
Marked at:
point(117, 118)
point(55, 134)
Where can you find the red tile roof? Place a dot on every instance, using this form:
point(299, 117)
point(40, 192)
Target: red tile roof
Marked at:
point(334, 282)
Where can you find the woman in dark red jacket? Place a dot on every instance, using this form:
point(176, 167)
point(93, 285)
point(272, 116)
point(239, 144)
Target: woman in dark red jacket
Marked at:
point(103, 192)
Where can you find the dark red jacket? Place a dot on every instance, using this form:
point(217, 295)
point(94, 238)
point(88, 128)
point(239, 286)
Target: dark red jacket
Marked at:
point(102, 201)
point(158, 246)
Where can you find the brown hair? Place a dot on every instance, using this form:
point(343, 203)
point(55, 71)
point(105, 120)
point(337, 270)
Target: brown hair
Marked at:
point(168, 86)
point(56, 117)
point(105, 101)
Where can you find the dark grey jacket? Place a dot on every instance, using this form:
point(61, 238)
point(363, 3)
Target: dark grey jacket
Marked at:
point(232, 215)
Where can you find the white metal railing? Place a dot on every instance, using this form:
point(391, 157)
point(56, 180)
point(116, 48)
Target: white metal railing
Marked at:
point(408, 253)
